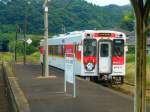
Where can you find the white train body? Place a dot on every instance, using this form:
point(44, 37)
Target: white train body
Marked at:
point(97, 52)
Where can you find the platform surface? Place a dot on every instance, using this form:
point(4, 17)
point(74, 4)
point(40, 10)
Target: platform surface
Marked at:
point(47, 94)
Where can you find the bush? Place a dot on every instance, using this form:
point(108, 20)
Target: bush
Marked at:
point(130, 58)
point(131, 49)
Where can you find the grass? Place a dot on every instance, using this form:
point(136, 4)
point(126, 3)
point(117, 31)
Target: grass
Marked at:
point(9, 57)
point(130, 74)
point(6, 56)
point(34, 58)
point(130, 69)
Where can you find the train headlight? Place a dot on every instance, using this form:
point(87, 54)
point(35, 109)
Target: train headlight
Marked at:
point(89, 66)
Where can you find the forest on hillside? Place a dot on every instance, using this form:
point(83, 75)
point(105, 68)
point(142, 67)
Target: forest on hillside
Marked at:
point(69, 14)
point(64, 16)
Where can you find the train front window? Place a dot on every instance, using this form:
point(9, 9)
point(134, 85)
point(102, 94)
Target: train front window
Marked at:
point(104, 50)
point(118, 47)
point(89, 47)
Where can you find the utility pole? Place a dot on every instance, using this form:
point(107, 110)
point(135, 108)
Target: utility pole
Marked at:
point(16, 43)
point(45, 57)
point(25, 31)
point(63, 29)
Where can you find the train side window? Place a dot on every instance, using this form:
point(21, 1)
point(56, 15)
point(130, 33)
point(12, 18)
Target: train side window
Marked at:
point(59, 50)
point(53, 50)
point(50, 50)
point(63, 51)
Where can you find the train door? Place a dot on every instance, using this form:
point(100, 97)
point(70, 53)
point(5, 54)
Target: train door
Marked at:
point(105, 57)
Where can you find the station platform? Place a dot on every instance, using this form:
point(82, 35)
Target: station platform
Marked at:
point(47, 94)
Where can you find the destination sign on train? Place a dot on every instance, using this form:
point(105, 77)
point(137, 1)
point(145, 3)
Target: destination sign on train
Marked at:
point(104, 35)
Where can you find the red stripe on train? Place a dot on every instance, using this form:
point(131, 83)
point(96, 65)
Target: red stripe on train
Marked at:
point(87, 59)
point(117, 60)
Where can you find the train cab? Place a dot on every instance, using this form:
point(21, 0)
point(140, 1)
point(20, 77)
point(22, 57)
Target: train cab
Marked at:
point(104, 52)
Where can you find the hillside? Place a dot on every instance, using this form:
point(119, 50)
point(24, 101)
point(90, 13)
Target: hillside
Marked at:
point(71, 14)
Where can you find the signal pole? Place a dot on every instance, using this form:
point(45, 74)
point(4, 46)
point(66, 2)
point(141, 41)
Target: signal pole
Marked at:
point(45, 57)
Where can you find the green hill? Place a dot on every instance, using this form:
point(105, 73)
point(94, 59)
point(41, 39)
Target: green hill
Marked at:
point(71, 14)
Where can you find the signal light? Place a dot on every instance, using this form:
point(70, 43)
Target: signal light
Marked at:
point(88, 35)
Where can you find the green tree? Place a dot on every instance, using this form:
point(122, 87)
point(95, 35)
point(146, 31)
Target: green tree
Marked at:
point(127, 22)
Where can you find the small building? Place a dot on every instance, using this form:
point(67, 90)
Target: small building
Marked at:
point(131, 41)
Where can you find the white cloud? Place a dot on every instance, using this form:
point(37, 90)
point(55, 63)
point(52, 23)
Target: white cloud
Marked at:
point(107, 2)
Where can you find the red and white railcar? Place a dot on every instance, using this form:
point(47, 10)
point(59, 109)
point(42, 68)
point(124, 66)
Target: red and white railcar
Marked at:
point(98, 53)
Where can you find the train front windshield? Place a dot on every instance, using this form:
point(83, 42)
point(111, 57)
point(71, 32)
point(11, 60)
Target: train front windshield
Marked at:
point(89, 47)
point(118, 47)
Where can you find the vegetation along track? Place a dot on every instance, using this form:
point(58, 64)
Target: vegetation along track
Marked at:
point(128, 88)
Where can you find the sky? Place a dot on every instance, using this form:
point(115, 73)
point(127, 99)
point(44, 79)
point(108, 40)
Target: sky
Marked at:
point(108, 2)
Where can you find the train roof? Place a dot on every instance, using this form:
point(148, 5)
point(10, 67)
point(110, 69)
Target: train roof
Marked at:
point(70, 36)
point(85, 31)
